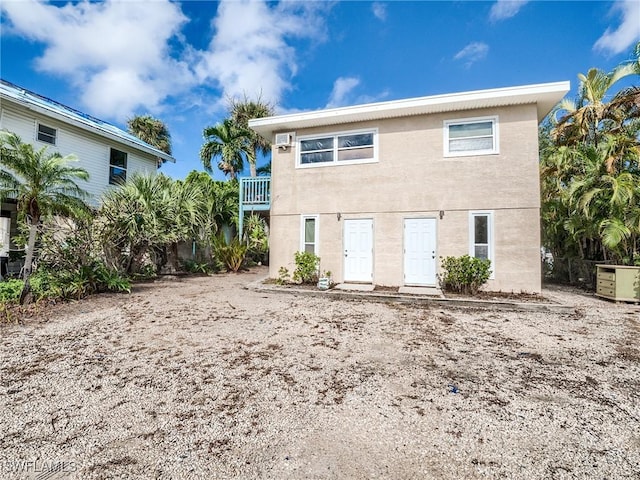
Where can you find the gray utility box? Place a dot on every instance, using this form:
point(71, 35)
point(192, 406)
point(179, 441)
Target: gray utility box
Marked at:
point(618, 282)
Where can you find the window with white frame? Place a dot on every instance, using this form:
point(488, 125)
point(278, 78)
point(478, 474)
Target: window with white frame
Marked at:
point(344, 147)
point(47, 134)
point(309, 234)
point(481, 236)
point(472, 136)
point(117, 167)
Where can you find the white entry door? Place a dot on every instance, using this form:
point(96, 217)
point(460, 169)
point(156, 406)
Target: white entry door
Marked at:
point(358, 250)
point(420, 251)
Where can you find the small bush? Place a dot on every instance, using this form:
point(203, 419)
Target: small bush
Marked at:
point(77, 283)
point(283, 276)
point(464, 274)
point(231, 254)
point(10, 291)
point(193, 266)
point(257, 237)
point(307, 265)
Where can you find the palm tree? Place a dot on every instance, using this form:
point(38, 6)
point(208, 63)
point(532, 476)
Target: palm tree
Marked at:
point(43, 184)
point(147, 216)
point(583, 118)
point(228, 142)
point(152, 131)
point(241, 113)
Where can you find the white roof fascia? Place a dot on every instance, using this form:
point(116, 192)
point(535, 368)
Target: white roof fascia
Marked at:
point(545, 96)
point(85, 125)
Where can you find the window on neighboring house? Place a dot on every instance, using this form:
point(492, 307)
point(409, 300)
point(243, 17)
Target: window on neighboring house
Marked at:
point(309, 234)
point(346, 147)
point(117, 167)
point(481, 236)
point(46, 134)
point(477, 136)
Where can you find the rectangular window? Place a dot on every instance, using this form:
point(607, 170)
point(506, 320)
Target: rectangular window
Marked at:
point(46, 134)
point(346, 147)
point(117, 167)
point(473, 136)
point(481, 236)
point(309, 234)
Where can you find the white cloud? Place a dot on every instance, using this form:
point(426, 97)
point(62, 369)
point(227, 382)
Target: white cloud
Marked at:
point(627, 33)
point(115, 53)
point(503, 9)
point(472, 53)
point(341, 88)
point(250, 53)
point(127, 56)
point(379, 10)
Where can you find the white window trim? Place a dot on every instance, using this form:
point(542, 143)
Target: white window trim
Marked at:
point(335, 149)
point(55, 136)
point(470, 153)
point(303, 218)
point(491, 242)
point(126, 168)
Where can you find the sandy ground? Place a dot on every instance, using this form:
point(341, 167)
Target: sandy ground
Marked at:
point(202, 378)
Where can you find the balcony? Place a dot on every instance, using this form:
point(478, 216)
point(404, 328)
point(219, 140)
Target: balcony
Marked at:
point(255, 196)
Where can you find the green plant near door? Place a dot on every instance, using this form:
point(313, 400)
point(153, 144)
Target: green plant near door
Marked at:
point(307, 265)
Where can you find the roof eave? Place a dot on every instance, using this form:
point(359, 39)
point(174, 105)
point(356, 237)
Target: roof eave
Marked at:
point(545, 96)
point(89, 127)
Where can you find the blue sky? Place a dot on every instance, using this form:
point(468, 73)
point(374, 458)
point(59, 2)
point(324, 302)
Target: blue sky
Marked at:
point(181, 61)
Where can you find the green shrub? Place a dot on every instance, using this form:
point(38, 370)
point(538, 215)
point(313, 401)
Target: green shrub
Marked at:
point(257, 237)
point(10, 291)
point(77, 283)
point(307, 265)
point(283, 276)
point(193, 266)
point(231, 254)
point(464, 274)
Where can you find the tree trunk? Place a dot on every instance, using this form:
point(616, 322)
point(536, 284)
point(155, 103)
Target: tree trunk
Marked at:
point(28, 261)
point(251, 158)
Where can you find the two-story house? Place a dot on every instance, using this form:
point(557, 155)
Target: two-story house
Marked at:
point(108, 153)
point(382, 191)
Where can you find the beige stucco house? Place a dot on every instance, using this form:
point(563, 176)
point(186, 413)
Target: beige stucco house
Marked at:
point(382, 191)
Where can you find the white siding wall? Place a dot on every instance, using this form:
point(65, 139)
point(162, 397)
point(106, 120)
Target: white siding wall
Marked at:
point(92, 150)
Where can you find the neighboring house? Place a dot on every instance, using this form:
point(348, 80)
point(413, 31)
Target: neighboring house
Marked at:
point(108, 153)
point(382, 191)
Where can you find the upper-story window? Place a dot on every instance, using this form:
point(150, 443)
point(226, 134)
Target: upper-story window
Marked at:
point(471, 136)
point(47, 134)
point(331, 149)
point(117, 167)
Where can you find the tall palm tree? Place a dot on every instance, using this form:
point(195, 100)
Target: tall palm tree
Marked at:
point(152, 131)
point(582, 120)
point(241, 112)
point(228, 142)
point(43, 184)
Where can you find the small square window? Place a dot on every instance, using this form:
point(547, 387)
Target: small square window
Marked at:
point(47, 134)
point(468, 137)
point(117, 167)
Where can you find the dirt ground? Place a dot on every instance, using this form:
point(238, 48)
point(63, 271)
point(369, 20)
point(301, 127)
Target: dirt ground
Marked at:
point(201, 377)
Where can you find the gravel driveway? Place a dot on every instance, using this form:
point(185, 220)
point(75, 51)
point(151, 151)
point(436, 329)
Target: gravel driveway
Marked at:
point(201, 378)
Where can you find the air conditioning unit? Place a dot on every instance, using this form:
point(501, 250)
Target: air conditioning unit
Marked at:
point(283, 140)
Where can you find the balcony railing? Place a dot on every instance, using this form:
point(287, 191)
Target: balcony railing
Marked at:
point(255, 196)
point(255, 193)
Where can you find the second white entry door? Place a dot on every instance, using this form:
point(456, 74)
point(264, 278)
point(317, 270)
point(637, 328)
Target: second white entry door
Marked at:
point(420, 251)
point(358, 250)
